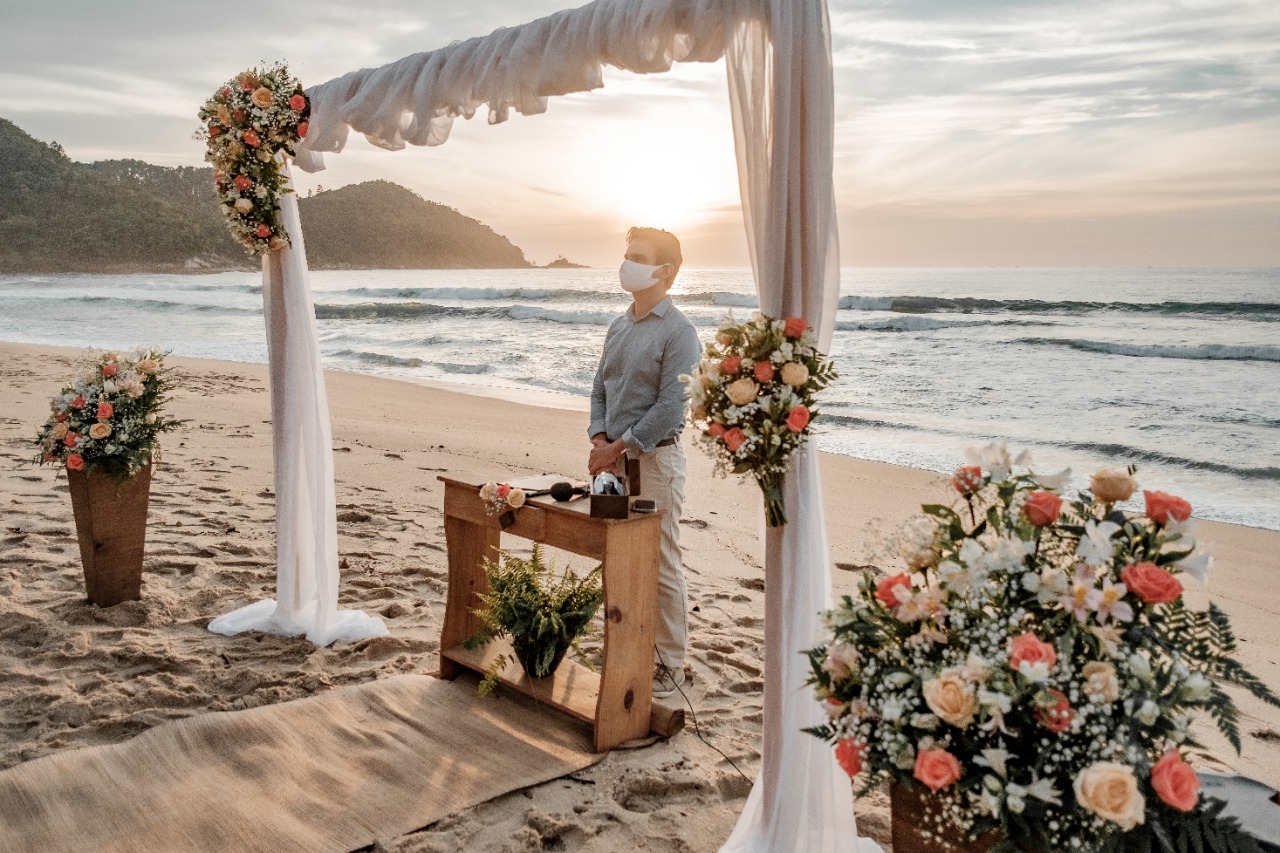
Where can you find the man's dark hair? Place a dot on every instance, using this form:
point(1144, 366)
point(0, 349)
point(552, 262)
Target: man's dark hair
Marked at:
point(665, 244)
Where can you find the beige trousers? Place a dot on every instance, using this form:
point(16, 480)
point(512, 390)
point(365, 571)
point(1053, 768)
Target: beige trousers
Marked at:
point(662, 476)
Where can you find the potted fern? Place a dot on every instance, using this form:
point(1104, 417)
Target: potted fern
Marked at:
point(542, 616)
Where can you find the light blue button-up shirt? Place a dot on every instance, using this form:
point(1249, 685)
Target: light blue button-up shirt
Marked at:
point(637, 394)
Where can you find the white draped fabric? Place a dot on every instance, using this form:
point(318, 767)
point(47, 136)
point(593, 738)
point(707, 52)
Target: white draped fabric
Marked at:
point(780, 80)
point(306, 514)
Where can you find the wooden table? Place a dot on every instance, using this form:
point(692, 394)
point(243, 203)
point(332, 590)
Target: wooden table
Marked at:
point(618, 701)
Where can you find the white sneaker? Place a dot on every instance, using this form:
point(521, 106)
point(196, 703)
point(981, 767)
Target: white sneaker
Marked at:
point(666, 680)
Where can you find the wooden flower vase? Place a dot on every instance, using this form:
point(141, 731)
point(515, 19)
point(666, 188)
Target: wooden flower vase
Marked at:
point(111, 523)
point(909, 827)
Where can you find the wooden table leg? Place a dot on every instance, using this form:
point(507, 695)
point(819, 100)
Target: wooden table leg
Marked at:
point(469, 545)
point(630, 614)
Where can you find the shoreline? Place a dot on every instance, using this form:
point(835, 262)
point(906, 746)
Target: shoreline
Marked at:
point(83, 676)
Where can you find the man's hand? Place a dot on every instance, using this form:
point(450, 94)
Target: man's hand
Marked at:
point(604, 455)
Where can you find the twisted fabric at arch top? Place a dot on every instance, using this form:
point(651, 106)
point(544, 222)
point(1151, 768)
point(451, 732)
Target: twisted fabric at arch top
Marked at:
point(778, 58)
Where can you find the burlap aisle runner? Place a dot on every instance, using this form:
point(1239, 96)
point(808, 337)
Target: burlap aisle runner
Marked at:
point(332, 772)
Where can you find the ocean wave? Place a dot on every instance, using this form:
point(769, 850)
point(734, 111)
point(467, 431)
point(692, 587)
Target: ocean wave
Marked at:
point(1202, 352)
point(583, 317)
point(161, 305)
point(1126, 453)
point(479, 294)
point(379, 358)
point(398, 311)
point(1269, 311)
point(914, 323)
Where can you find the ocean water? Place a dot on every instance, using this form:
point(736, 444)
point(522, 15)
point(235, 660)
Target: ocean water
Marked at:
point(1176, 370)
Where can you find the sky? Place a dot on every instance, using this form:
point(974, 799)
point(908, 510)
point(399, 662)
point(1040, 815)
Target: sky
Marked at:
point(968, 132)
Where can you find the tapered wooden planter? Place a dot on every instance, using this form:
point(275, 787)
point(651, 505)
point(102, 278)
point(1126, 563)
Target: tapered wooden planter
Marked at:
point(908, 826)
point(111, 523)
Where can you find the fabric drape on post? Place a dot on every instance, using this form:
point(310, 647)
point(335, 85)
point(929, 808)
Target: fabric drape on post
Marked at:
point(302, 447)
point(782, 95)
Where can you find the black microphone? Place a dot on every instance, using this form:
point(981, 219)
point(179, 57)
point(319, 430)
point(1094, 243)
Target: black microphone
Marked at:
point(564, 491)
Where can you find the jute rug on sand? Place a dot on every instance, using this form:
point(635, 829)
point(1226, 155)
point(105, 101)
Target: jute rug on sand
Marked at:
point(332, 772)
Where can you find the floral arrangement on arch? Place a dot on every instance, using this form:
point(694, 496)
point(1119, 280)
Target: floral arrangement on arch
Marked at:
point(251, 119)
point(109, 419)
point(1036, 669)
point(755, 389)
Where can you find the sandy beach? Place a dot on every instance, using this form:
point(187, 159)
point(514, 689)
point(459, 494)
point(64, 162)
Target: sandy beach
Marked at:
point(76, 675)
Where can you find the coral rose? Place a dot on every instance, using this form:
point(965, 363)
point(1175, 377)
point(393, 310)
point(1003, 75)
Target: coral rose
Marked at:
point(1042, 508)
point(850, 755)
point(71, 439)
point(967, 479)
point(716, 429)
point(951, 698)
point(731, 365)
point(503, 491)
point(1058, 716)
point(1111, 485)
point(797, 419)
point(105, 411)
point(1100, 682)
point(109, 370)
point(886, 590)
point(1175, 782)
point(75, 462)
point(242, 183)
point(1028, 648)
point(1151, 583)
point(214, 130)
point(763, 371)
point(262, 97)
point(795, 327)
point(1110, 791)
point(251, 139)
point(733, 439)
point(795, 374)
point(263, 231)
point(742, 391)
point(303, 127)
point(99, 431)
point(297, 102)
point(1162, 506)
point(77, 402)
point(937, 769)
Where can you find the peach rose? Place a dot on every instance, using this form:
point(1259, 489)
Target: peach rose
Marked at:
point(148, 366)
point(1028, 648)
point(105, 411)
point(967, 479)
point(731, 365)
point(951, 698)
point(1110, 791)
point(488, 492)
point(516, 498)
point(243, 206)
point(733, 439)
point(263, 231)
point(1111, 485)
point(60, 431)
point(1042, 508)
point(297, 103)
point(795, 374)
point(885, 590)
point(698, 412)
point(850, 754)
point(1162, 506)
point(797, 419)
point(1175, 782)
point(99, 431)
point(1100, 682)
point(937, 769)
point(75, 462)
point(1058, 716)
point(724, 338)
point(303, 127)
point(795, 327)
point(262, 97)
point(763, 371)
point(1151, 583)
point(742, 391)
point(224, 114)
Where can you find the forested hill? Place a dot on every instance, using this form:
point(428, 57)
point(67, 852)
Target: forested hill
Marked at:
point(57, 215)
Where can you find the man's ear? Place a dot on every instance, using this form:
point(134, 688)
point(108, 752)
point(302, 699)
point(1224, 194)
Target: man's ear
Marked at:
point(667, 274)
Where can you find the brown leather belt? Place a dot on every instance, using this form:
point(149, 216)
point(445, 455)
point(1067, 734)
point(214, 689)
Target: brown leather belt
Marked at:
point(666, 442)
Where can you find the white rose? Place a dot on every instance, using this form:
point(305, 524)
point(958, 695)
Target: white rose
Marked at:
point(243, 205)
point(795, 374)
point(515, 498)
point(952, 698)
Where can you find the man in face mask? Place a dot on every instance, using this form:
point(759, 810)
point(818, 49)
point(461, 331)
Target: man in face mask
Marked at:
point(638, 410)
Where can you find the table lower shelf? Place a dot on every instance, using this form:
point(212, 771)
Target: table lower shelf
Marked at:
point(572, 688)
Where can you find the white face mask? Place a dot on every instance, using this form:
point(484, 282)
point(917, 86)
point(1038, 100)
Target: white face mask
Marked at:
point(635, 277)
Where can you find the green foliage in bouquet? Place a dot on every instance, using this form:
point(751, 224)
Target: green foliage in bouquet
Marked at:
point(756, 388)
point(109, 419)
point(1036, 667)
point(542, 616)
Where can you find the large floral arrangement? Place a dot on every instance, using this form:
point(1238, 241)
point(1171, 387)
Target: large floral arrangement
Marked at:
point(255, 116)
point(755, 389)
point(1036, 667)
point(110, 419)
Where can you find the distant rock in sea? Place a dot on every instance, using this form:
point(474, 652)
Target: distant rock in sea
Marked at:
point(563, 263)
